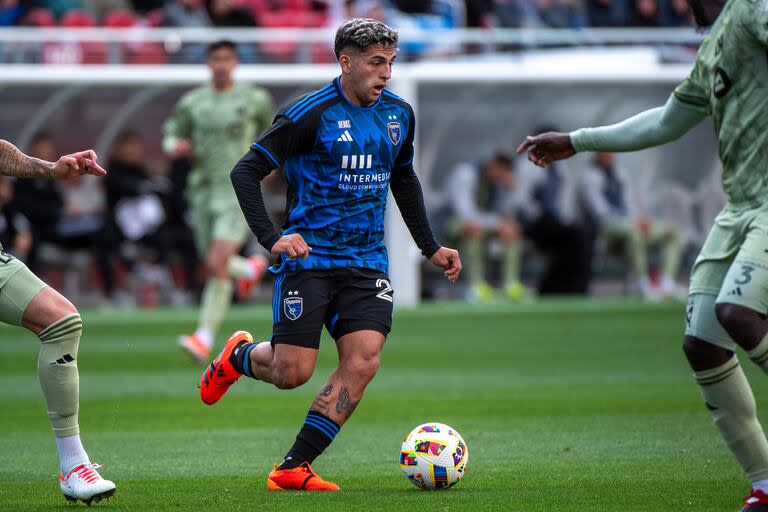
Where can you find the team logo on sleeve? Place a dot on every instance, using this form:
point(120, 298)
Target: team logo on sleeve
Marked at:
point(394, 132)
point(293, 305)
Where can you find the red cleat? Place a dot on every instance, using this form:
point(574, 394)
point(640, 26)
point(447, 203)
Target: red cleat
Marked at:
point(245, 285)
point(300, 478)
point(757, 501)
point(220, 375)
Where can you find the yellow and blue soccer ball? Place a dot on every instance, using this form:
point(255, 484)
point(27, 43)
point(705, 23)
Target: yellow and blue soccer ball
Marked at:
point(434, 456)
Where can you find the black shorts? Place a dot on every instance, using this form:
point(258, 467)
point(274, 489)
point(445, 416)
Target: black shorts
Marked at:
point(345, 300)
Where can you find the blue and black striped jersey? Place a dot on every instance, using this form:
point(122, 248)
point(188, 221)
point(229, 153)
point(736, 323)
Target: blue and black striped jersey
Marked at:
point(338, 160)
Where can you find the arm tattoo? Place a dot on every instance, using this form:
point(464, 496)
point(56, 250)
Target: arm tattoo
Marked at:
point(322, 403)
point(15, 163)
point(344, 405)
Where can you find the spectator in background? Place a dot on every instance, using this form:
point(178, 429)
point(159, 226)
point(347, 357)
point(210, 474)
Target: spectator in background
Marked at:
point(678, 14)
point(40, 201)
point(605, 191)
point(645, 13)
point(15, 232)
point(475, 196)
point(545, 205)
point(11, 12)
point(224, 13)
point(59, 7)
point(540, 13)
point(187, 14)
point(606, 13)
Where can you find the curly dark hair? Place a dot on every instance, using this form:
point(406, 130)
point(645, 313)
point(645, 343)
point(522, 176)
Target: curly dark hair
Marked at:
point(360, 33)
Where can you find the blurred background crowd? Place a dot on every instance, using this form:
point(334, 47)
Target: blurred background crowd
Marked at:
point(420, 15)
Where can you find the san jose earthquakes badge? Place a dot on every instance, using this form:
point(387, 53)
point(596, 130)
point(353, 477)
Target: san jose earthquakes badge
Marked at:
point(393, 130)
point(293, 305)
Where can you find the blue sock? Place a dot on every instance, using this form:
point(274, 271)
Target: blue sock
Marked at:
point(315, 436)
point(241, 358)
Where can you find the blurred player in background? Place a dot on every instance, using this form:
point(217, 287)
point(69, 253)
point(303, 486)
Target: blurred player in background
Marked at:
point(728, 295)
point(342, 147)
point(28, 302)
point(210, 125)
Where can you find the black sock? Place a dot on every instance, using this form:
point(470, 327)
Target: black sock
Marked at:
point(315, 435)
point(241, 358)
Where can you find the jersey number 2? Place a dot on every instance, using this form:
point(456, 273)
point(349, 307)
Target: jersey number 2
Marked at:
point(383, 283)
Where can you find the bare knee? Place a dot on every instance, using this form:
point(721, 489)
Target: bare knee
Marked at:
point(703, 355)
point(746, 326)
point(363, 368)
point(46, 308)
point(216, 264)
point(289, 376)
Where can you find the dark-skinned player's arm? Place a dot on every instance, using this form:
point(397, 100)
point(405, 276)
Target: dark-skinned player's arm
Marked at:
point(15, 163)
point(650, 128)
point(406, 189)
point(265, 156)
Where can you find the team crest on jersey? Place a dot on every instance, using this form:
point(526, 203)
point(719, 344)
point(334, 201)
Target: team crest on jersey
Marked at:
point(393, 130)
point(293, 306)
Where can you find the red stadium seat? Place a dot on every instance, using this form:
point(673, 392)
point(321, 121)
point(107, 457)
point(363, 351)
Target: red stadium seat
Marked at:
point(120, 18)
point(40, 17)
point(91, 52)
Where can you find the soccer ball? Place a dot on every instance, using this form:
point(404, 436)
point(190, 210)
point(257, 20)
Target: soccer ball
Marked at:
point(434, 456)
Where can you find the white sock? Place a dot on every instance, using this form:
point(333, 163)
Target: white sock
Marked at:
point(205, 335)
point(761, 485)
point(71, 453)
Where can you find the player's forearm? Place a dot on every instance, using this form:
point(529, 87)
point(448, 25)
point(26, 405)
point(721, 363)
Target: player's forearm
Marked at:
point(15, 163)
point(647, 129)
point(246, 179)
point(410, 200)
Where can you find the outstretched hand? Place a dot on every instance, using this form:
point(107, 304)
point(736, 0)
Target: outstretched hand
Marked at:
point(449, 261)
point(77, 164)
point(547, 147)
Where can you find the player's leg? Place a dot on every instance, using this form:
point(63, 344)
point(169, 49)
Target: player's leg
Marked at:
point(231, 225)
point(473, 237)
point(25, 300)
point(722, 383)
point(359, 359)
point(668, 237)
point(300, 301)
point(510, 237)
point(359, 318)
point(628, 236)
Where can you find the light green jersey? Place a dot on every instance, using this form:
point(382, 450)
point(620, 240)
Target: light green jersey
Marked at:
point(221, 126)
point(730, 82)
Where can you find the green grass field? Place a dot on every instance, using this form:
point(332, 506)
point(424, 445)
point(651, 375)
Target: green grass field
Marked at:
point(565, 406)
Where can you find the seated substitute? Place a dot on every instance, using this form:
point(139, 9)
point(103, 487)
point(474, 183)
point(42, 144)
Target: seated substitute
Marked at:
point(476, 199)
point(605, 191)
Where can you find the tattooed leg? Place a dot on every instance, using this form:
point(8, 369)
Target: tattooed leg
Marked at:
point(358, 362)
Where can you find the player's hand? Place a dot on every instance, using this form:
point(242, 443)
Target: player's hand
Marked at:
point(547, 147)
point(77, 164)
point(449, 261)
point(183, 149)
point(643, 225)
point(292, 245)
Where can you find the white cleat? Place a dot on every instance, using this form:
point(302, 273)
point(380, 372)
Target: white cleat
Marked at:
point(84, 483)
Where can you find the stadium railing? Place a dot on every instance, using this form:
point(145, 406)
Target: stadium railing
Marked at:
point(151, 45)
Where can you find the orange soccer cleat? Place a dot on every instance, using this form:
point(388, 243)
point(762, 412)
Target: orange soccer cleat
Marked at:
point(221, 374)
point(246, 285)
point(301, 478)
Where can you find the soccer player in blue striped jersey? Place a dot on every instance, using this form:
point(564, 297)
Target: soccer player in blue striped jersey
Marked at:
point(342, 148)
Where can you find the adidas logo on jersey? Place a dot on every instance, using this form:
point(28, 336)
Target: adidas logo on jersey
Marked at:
point(345, 137)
